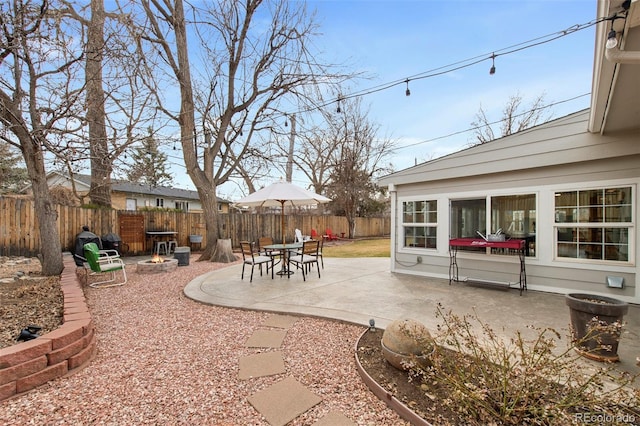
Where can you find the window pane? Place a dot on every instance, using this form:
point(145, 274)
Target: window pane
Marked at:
point(564, 215)
point(419, 211)
point(617, 244)
point(566, 234)
point(515, 216)
point(468, 217)
point(567, 250)
point(566, 199)
point(591, 197)
point(420, 236)
point(591, 235)
point(407, 209)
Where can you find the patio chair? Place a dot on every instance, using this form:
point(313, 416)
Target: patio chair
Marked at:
point(102, 263)
point(250, 258)
point(266, 241)
point(314, 234)
point(299, 237)
point(330, 235)
point(319, 254)
point(308, 257)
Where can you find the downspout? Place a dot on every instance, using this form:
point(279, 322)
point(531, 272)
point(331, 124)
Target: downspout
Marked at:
point(621, 57)
point(394, 203)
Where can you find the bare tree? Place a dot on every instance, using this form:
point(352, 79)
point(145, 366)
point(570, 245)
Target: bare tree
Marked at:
point(101, 163)
point(40, 99)
point(117, 101)
point(360, 157)
point(251, 65)
point(513, 120)
point(314, 153)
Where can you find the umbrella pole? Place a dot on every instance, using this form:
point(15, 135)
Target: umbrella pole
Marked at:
point(282, 220)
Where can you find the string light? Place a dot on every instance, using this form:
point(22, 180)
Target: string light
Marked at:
point(466, 63)
point(612, 40)
point(407, 92)
point(338, 110)
point(492, 70)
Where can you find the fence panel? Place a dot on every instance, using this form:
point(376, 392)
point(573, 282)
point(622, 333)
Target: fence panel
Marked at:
point(19, 230)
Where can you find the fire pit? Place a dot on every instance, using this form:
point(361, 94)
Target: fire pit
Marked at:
point(156, 265)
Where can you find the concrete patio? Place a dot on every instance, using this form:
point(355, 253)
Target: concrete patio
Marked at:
point(356, 290)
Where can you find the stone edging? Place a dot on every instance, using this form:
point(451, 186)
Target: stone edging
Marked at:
point(65, 350)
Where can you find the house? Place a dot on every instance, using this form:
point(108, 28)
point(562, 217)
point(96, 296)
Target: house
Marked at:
point(133, 196)
point(568, 188)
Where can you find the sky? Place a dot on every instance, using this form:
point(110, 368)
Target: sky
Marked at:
point(395, 40)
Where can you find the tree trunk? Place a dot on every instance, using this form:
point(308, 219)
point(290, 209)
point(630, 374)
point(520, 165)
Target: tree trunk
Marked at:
point(101, 162)
point(50, 246)
point(223, 252)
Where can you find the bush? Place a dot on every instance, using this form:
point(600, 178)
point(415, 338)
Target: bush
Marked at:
point(489, 380)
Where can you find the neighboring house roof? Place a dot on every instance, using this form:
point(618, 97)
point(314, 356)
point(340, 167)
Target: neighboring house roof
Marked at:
point(136, 188)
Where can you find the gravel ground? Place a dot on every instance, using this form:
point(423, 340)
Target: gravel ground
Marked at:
point(165, 359)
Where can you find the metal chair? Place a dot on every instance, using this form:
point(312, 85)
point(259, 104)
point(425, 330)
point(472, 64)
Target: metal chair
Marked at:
point(319, 254)
point(266, 241)
point(307, 257)
point(101, 262)
point(249, 258)
point(171, 246)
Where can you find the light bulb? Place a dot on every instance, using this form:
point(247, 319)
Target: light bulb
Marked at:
point(612, 40)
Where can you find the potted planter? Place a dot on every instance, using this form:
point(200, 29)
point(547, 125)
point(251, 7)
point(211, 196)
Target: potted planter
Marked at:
point(596, 325)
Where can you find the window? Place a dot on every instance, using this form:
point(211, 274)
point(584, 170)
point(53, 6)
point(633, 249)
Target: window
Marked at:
point(512, 215)
point(159, 202)
point(182, 205)
point(420, 223)
point(594, 223)
point(515, 216)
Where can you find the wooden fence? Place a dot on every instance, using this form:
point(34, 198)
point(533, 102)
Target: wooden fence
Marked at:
point(19, 230)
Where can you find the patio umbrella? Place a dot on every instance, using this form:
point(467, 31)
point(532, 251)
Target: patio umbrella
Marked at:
point(282, 193)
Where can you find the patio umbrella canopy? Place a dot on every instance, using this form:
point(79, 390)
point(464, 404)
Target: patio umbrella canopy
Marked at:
point(279, 194)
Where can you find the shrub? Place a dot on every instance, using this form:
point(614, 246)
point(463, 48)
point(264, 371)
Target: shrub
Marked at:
point(491, 380)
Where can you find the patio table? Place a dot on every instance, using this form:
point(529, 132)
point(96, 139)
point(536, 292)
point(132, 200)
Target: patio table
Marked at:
point(513, 244)
point(284, 253)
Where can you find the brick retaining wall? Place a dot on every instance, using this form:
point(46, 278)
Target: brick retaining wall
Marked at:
point(30, 364)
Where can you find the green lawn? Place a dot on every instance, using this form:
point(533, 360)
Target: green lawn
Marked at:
point(379, 247)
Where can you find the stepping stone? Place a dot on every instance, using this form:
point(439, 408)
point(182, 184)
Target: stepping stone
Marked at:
point(266, 339)
point(262, 364)
point(334, 418)
point(280, 321)
point(283, 401)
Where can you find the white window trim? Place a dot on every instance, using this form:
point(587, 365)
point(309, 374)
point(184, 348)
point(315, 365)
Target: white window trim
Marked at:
point(402, 225)
point(631, 226)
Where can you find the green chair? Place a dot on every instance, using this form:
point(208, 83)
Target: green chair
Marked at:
point(102, 263)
